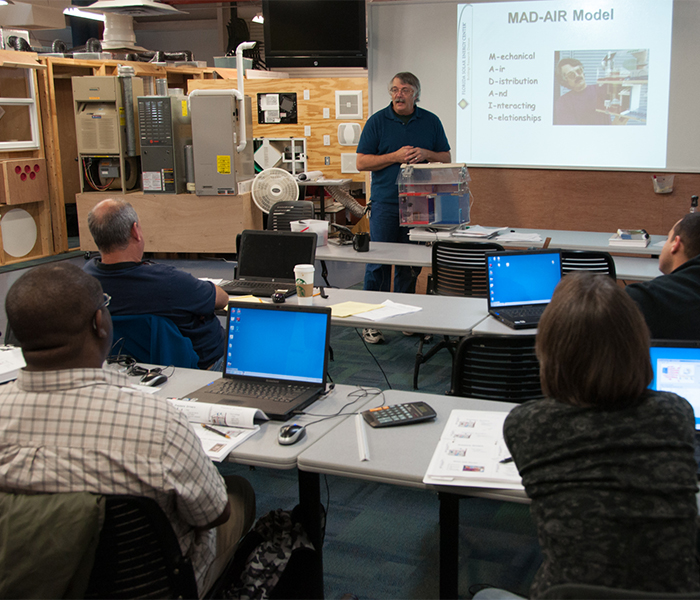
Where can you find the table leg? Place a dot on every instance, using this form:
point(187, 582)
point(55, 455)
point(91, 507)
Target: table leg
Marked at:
point(449, 544)
point(311, 508)
point(313, 516)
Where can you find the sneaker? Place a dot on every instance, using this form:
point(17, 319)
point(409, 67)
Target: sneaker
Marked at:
point(372, 336)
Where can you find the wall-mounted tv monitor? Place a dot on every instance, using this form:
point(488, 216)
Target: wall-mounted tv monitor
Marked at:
point(315, 33)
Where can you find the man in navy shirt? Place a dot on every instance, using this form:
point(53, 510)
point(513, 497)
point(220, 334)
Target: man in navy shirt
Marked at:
point(140, 287)
point(400, 133)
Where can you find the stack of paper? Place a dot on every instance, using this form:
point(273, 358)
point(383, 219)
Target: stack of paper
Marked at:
point(11, 361)
point(630, 238)
point(372, 312)
point(477, 231)
point(472, 453)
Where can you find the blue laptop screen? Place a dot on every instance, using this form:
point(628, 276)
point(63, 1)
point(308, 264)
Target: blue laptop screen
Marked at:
point(516, 279)
point(677, 369)
point(279, 344)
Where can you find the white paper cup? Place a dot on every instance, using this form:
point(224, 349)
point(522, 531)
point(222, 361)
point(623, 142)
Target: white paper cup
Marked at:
point(304, 276)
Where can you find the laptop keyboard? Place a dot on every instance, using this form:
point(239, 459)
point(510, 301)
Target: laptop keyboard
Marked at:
point(264, 288)
point(275, 392)
point(524, 311)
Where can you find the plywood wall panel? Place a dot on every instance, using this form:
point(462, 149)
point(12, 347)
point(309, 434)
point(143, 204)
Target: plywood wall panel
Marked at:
point(309, 113)
point(180, 222)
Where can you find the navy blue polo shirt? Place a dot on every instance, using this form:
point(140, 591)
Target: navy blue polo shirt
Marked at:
point(384, 133)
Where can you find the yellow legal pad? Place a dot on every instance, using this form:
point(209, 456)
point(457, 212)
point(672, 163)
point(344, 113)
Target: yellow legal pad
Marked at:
point(347, 309)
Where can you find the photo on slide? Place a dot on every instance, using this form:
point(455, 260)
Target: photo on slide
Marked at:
point(601, 87)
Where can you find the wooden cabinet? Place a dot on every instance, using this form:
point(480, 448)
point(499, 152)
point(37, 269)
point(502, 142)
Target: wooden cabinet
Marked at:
point(25, 224)
point(58, 118)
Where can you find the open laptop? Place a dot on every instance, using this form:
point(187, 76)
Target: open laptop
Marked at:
point(521, 285)
point(676, 365)
point(276, 358)
point(266, 261)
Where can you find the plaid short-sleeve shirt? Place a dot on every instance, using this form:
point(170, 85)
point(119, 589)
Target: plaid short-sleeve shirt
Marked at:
point(87, 430)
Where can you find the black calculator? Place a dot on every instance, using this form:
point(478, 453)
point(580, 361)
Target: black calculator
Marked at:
point(399, 414)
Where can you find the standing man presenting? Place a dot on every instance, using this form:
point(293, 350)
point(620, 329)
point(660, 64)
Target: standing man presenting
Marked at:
point(400, 133)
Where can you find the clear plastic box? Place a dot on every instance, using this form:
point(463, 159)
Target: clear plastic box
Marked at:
point(433, 195)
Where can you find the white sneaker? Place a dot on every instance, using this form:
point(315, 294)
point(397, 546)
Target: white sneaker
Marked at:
point(372, 336)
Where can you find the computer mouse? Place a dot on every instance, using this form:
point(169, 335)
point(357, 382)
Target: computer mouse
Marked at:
point(291, 434)
point(153, 379)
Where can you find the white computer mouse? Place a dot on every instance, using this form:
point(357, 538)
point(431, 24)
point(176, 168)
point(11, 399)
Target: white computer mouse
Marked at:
point(291, 434)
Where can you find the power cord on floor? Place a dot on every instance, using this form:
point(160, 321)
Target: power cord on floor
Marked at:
point(359, 333)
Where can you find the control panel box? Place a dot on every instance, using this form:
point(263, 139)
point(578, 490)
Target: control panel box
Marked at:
point(219, 167)
point(165, 128)
point(105, 123)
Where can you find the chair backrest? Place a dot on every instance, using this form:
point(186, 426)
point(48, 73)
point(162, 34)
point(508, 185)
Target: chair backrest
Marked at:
point(48, 543)
point(459, 268)
point(138, 554)
point(578, 591)
point(496, 367)
point(588, 260)
point(283, 213)
point(153, 339)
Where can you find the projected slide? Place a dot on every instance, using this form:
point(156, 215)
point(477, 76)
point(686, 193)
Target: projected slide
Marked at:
point(564, 84)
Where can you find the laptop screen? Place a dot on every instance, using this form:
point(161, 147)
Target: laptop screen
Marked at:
point(285, 342)
point(274, 254)
point(517, 278)
point(676, 367)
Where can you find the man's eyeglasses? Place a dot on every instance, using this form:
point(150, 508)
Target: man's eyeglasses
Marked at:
point(105, 302)
point(573, 74)
point(404, 91)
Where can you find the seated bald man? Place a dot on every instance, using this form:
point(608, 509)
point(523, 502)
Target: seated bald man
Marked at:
point(670, 303)
point(142, 287)
point(68, 425)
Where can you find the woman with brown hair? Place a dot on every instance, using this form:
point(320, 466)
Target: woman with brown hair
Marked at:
point(607, 463)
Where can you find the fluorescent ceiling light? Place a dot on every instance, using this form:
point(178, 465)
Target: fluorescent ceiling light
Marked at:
point(3, 3)
point(258, 18)
point(84, 14)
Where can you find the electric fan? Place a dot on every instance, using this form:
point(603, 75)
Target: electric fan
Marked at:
point(273, 185)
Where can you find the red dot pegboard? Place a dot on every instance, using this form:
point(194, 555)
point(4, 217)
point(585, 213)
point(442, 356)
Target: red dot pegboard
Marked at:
point(23, 181)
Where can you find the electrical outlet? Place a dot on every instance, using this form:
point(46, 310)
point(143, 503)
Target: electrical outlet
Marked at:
point(326, 160)
point(326, 113)
point(307, 130)
point(326, 140)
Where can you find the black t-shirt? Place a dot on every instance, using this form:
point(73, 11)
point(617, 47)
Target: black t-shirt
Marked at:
point(670, 304)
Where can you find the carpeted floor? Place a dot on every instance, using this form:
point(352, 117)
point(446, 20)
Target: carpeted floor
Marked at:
point(381, 540)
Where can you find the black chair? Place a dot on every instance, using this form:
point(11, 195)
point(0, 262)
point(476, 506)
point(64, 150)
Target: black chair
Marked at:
point(283, 213)
point(596, 261)
point(458, 269)
point(496, 367)
point(154, 340)
point(138, 555)
point(579, 591)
